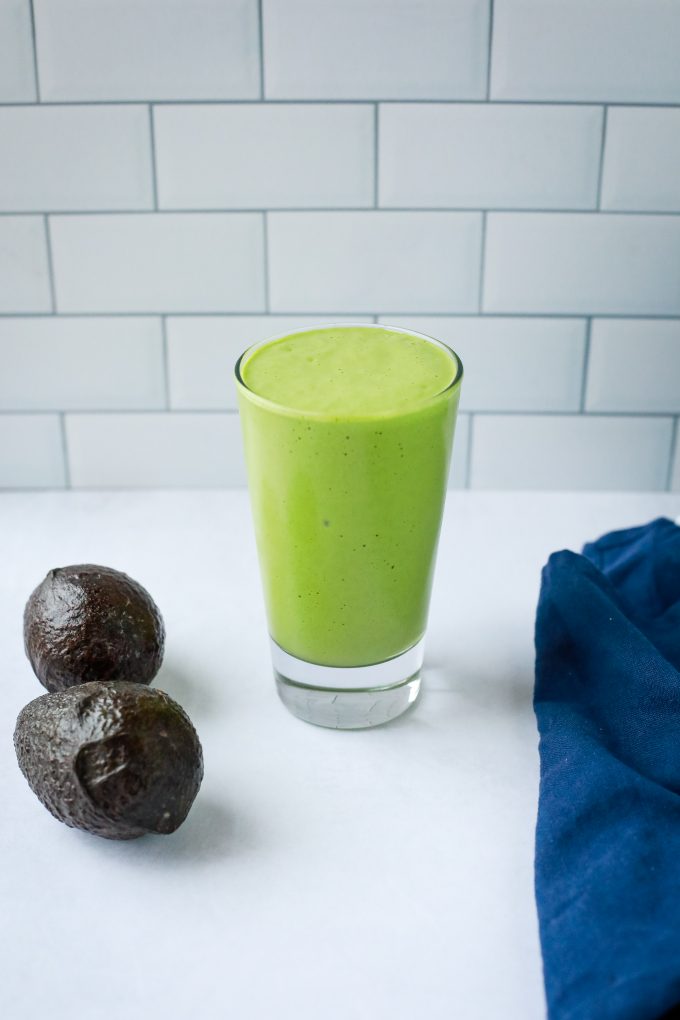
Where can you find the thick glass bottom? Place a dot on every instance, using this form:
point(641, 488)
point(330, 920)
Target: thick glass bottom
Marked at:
point(351, 697)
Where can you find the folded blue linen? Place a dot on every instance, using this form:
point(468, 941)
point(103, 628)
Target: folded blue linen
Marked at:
point(607, 701)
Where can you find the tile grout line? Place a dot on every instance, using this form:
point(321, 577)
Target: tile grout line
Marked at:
point(368, 101)
point(200, 210)
point(34, 38)
point(672, 454)
point(117, 412)
point(50, 263)
point(245, 313)
point(154, 175)
point(265, 257)
point(468, 463)
point(600, 171)
point(376, 156)
point(482, 260)
point(489, 50)
point(166, 363)
point(64, 450)
point(260, 33)
point(586, 365)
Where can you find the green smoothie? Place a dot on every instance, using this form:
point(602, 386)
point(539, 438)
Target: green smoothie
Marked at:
point(348, 433)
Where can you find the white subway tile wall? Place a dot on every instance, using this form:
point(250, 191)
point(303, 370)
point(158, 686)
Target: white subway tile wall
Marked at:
point(642, 160)
point(170, 451)
point(74, 157)
point(458, 476)
point(149, 49)
point(675, 470)
point(179, 181)
point(32, 451)
point(396, 261)
point(172, 262)
point(17, 80)
point(85, 364)
point(369, 49)
point(634, 366)
point(609, 50)
point(24, 265)
point(582, 263)
point(595, 452)
point(489, 156)
point(264, 156)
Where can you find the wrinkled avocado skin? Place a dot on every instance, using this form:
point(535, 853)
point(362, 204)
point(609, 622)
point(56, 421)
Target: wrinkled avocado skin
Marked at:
point(117, 759)
point(87, 622)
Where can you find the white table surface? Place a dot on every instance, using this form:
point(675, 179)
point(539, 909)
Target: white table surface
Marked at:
point(321, 875)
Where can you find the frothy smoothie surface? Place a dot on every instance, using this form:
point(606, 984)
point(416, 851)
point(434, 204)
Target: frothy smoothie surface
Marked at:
point(350, 371)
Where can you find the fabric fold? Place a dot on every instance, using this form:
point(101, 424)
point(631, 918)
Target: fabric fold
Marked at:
point(607, 702)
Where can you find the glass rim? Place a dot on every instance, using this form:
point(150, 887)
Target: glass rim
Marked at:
point(286, 409)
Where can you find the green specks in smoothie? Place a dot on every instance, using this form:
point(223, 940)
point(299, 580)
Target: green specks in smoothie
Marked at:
point(373, 455)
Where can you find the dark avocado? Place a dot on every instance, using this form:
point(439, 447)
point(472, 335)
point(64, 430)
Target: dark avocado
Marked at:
point(117, 759)
point(86, 622)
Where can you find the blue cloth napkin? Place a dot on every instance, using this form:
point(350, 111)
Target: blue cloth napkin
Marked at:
point(607, 701)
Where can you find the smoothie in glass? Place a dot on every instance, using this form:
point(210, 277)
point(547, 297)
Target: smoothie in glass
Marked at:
point(348, 433)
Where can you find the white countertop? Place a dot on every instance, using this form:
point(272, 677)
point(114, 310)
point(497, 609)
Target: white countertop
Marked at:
point(321, 875)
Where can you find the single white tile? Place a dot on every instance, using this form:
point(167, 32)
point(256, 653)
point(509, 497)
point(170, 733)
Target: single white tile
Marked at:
point(582, 263)
point(17, 78)
point(374, 261)
point(148, 451)
point(170, 262)
point(75, 157)
point(642, 159)
point(570, 452)
point(459, 458)
point(272, 156)
point(489, 155)
point(634, 365)
point(149, 49)
point(31, 452)
point(59, 363)
point(511, 364)
point(369, 49)
point(202, 353)
point(675, 475)
point(605, 50)
point(24, 273)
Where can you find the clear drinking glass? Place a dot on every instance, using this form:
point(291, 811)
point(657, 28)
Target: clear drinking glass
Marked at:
point(347, 510)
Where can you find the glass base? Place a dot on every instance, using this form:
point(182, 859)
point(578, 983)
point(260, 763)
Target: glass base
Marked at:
point(347, 710)
point(348, 698)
